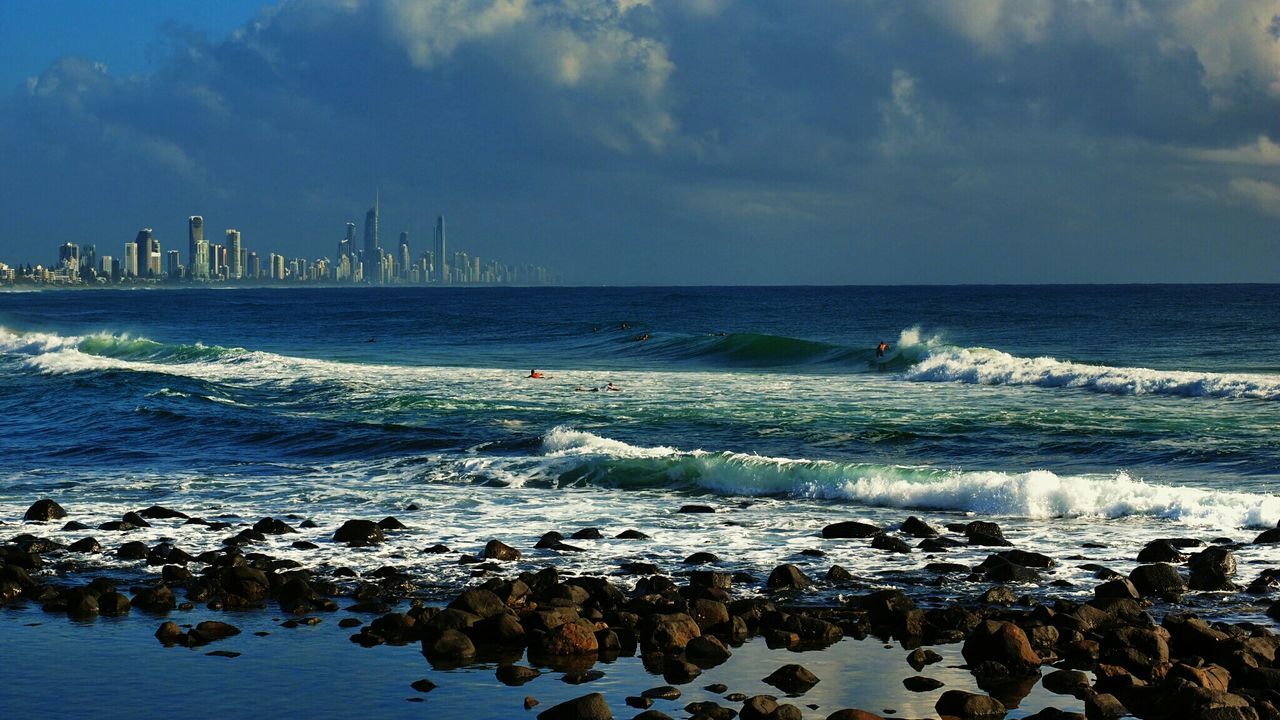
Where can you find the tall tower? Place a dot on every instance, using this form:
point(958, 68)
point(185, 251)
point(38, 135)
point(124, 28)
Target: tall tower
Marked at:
point(131, 259)
point(372, 257)
point(197, 251)
point(404, 258)
point(148, 253)
point(442, 272)
point(235, 270)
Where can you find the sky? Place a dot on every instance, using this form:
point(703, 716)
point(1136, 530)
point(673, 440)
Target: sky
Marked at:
point(662, 141)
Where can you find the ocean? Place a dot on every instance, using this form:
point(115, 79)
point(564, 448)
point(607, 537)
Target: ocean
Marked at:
point(1086, 420)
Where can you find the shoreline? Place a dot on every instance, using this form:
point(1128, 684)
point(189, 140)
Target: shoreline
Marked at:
point(1128, 647)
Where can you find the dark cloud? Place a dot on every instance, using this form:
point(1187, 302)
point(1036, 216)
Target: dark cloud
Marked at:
point(688, 141)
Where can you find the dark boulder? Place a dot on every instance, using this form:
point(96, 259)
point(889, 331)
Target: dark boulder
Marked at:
point(851, 529)
point(980, 532)
point(788, 577)
point(1160, 551)
point(498, 550)
point(44, 511)
point(961, 704)
point(272, 526)
point(155, 599)
point(696, 509)
point(136, 520)
point(1211, 569)
point(156, 512)
point(587, 707)
point(133, 551)
point(113, 604)
point(701, 558)
point(359, 533)
point(631, 535)
point(449, 646)
point(1004, 643)
point(920, 683)
point(390, 523)
point(915, 527)
point(85, 545)
point(920, 657)
point(1158, 580)
point(889, 543)
point(516, 675)
point(792, 679)
point(669, 632)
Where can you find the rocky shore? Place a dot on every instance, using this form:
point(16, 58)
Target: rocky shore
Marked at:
point(1133, 649)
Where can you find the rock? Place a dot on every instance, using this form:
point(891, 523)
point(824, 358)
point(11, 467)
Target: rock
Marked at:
point(920, 657)
point(652, 715)
point(696, 509)
point(792, 679)
point(890, 543)
point(1268, 536)
point(1066, 682)
point(920, 683)
point(81, 603)
point(170, 634)
point(851, 529)
point(359, 533)
point(390, 523)
point(891, 608)
point(449, 646)
point(1000, 569)
point(709, 614)
point(85, 545)
point(134, 519)
point(1119, 588)
point(498, 550)
point(853, 714)
point(156, 512)
point(44, 511)
point(961, 704)
point(998, 595)
point(423, 686)
point(211, 631)
point(1160, 551)
point(480, 602)
point(1028, 559)
point(133, 551)
point(113, 604)
point(74, 526)
point(1159, 580)
point(587, 534)
point(571, 638)
point(155, 599)
point(1211, 569)
point(701, 558)
point(530, 702)
point(710, 579)
point(587, 707)
point(1052, 713)
point(663, 692)
point(788, 577)
point(668, 633)
point(272, 526)
point(631, 535)
point(980, 532)
point(1210, 677)
point(1103, 706)
point(838, 574)
point(915, 527)
point(581, 677)
point(707, 648)
point(1004, 643)
point(515, 675)
point(760, 707)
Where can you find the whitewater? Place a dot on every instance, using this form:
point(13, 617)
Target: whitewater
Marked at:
point(768, 405)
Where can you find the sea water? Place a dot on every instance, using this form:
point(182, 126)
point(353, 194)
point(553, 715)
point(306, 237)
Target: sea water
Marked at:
point(1076, 417)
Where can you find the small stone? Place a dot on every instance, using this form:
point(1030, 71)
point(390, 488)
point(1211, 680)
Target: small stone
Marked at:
point(792, 679)
point(920, 683)
point(696, 509)
point(423, 686)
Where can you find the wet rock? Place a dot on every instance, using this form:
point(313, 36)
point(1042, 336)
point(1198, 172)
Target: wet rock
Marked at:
point(498, 550)
point(581, 677)
point(113, 604)
point(85, 545)
point(587, 707)
point(890, 544)
point(652, 715)
point(838, 574)
point(1121, 587)
point(696, 509)
point(515, 675)
point(1000, 569)
point(760, 707)
point(155, 599)
point(890, 608)
point(1103, 706)
point(157, 512)
point(677, 670)
point(939, 544)
point(133, 551)
point(851, 529)
point(788, 577)
point(980, 532)
point(81, 603)
point(1052, 713)
point(853, 714)
point(668, 632)
point(391, 523)
point(449, 646)
point(663, 692)
point(998, 595)
point(701, 558)
point(135, 520)
point(170, 634)
point(1160, 551)
point(1210, 677)
point(74, 526)
point(272, 526)
point(920, 683)
point(1004, 643)
point(1066, 682)
point(1028, 559)
point(211, 631)
point(792, 679)
point(359, 533)
point(915, 527)
point(1211, 569)
point(920, 657)
point(423, 686)
point(1267, 536)
point(44, 511)
point(961, 704)
point(480, 602)
point(587, 534)
point(707, 649)
point(571, 638)
point(437, 549)
point(1159, 580)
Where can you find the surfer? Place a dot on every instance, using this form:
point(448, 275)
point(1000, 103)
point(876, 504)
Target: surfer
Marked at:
point(535, 374)
point(881, 348)
point(611, 387)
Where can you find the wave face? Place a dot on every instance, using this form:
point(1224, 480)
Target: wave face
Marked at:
point(992, 367)
point(582, 457)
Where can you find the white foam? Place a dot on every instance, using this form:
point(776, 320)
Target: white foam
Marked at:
point(984, 366)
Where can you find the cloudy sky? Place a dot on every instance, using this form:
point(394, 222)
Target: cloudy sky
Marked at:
point(663, 141)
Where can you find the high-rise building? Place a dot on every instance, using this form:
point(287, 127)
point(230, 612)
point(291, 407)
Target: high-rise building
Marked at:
point(405, 259)
point(235, 266)
point(89, 257)
point(148, 254)
point(253, 268)
point(372, 256)
point(197, 249)
point(442, 271)
point(131, 259)
point(69, 256)
point(105, 267)
point(174, 265)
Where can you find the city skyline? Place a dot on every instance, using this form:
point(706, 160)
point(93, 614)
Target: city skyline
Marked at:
point(145, 259)
point(674, 142)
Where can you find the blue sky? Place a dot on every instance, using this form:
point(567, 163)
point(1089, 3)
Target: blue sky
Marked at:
point(663, 141)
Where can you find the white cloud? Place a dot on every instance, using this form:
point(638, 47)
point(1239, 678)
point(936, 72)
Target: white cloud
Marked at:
point(1262, 152)
point(1263, 195)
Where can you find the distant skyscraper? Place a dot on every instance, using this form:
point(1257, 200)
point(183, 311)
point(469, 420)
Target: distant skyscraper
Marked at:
point(442, 272)
point(197, 250)
point(235, 267)
point(174, 265)
point(131, 259)
point(405, 258)
point(69, 256)
point(372, 257)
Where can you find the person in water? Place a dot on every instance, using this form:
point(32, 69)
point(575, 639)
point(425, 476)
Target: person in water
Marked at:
point(881, 348)
point(535, 374)
point(612, 387)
